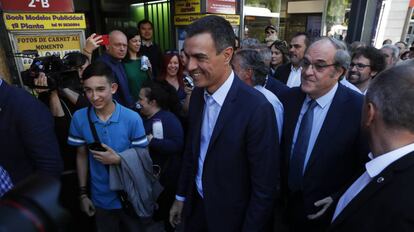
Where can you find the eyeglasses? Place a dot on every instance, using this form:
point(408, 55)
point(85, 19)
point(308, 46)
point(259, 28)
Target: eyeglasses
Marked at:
point(359, 66)
point(316, 66)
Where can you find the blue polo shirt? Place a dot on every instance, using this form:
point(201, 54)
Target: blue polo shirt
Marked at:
point(123, 130)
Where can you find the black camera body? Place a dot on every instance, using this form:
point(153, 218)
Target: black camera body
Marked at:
point(33, 205)
point(59, 73)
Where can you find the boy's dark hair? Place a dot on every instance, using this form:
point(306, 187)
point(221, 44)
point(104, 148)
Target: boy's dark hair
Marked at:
point(98, 69)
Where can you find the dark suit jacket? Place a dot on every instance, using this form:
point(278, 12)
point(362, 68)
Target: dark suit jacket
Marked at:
point(27, 139)
point(282, 72)
point(276, 87)
point(339, 151)
point(386, 205)
point(239, 173)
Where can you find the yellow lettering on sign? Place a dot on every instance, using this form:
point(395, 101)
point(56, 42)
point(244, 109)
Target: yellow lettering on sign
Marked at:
point(43, 21)
point(47, 45)
point(182, 20)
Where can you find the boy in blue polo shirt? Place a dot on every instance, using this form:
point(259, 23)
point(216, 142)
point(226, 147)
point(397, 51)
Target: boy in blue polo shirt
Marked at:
point(118, 128)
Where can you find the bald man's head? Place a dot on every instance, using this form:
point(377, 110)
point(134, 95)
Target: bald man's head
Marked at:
point(117, 47)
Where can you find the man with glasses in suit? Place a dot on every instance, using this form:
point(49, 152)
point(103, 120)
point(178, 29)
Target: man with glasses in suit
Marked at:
point(321, 146)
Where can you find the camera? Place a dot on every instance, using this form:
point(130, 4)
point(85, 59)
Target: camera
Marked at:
point(33, 205)
point(60, 73)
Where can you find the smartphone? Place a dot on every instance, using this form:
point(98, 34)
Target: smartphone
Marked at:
point(96, 147)
point(188, 81)
point(105, 40)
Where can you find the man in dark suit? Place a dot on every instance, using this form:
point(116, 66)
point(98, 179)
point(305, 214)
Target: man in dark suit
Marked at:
point(381, 199)
point(229, 176)
point(321, 144)
point(290, 72)
point(28, 142)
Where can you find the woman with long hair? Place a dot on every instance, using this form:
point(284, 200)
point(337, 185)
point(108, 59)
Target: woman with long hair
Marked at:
point(132, 63)
point(172, 73)
point(280, 55)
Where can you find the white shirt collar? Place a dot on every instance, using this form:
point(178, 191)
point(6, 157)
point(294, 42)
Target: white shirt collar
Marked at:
point(325, 99)
point(299, 68)
point(1, 81)
point(220, 94)
point(378, 164)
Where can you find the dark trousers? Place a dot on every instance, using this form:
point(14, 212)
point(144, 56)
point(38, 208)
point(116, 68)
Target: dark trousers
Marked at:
point(116, 220)
point(197, 221)
point(297, 216)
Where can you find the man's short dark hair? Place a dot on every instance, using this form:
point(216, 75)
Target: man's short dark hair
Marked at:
point(98, 69)
point(144, 21)
point(375, 56)
point(392, 93)
point(220, 30)
point(307, 38)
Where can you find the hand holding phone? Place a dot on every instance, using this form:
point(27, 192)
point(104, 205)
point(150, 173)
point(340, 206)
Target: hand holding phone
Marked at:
point(96, 147)
point(104, 154)
point(105, 40)
point(188, 81)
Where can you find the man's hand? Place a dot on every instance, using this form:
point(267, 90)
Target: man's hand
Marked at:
point(86, 205)
point(106, 157)
point(175, 213)
point(325, 203)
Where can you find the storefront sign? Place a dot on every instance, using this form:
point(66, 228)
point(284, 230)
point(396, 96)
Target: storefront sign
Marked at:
point(39, 21)
point(47, 45)
point(187, 6)
point(37, 5)
point(183, 20)
point(221, 6)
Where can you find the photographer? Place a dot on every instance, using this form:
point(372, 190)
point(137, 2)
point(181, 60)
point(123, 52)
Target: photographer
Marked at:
point(63, 101)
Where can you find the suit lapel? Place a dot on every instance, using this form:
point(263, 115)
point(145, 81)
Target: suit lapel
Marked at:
point(226, 111)
point(198, 119)
point(286, 73)
point(333, 119)
point(291, 115)
point(376, 184)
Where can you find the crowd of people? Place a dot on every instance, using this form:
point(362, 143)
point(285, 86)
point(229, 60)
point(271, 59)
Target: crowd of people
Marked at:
point(225, 135)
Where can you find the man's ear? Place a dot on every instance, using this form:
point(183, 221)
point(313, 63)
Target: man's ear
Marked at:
point(250, 73)
point(371, 114)
point(228, 54)
point(114, 88)
point(373, 73)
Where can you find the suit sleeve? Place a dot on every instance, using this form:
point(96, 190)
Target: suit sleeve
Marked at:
point(39, 140)
point(263, 155)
